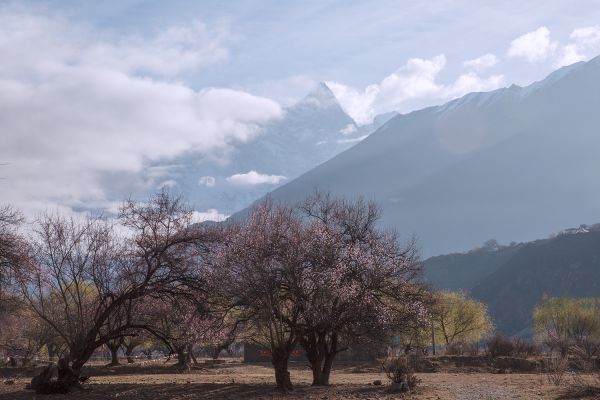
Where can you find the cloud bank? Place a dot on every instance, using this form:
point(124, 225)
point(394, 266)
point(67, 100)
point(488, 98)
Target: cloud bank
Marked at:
point(73, 106)
point(412, 86)
point(209, 215)
point(255, 178)
point(485, 61)
point(584, 43)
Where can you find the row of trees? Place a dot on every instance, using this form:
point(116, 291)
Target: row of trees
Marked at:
point(92, 282)
point(561, 324)
point(320, 276)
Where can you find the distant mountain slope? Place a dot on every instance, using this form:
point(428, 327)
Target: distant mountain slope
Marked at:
point(512, 164)
point(463, 271)
point(568, 265)
point(511, 280)
point(310, 132)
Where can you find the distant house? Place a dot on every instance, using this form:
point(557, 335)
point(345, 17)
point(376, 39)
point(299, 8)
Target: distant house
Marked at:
point(257, 354)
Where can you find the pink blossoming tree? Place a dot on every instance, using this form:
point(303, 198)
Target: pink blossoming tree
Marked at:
point(319, 277)
point(357, 285)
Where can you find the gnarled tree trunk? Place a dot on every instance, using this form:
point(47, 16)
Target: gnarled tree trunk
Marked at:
point(52, 350)
point(114, 353)
point(191, 353)
point(222, 346)
point(279, 359)
point(184, 361)
point(320, 353)
point(129, 347)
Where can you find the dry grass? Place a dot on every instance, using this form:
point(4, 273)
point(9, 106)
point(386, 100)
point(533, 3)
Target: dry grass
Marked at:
point(239, 381)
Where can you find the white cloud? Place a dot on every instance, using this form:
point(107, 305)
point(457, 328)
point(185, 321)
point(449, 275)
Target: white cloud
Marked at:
point(570, 54)
point(169, 53)
point(73, 107)
point(255, 178)
point(348, 129)
point(585, 43)
point(472, 82)
point(209, 215)
point(588, 36)
point(208, 181)
point(353, 140)
point(412, 86)
point(533, 46)
point(485, 61)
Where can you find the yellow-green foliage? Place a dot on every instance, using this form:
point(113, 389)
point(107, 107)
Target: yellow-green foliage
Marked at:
point(459, 319)
point(413, 337)
point(567, 321)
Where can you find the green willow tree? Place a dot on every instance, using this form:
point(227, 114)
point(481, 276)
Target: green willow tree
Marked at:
point(460, 319)
point(563, 323)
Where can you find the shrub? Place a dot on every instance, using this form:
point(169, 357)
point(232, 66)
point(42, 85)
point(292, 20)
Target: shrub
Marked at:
point(525, 348)
point(501, 346)
point(581, 360)
point(498, 346)
point(459, 349)
point(400, 370)
point(556, 369)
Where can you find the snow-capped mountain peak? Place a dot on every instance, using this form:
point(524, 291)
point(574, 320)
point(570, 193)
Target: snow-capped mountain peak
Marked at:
point(513, 164)
point(321, 96)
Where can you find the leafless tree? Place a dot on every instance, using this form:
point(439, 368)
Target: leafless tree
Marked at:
point(12, 248)
point(87, 273)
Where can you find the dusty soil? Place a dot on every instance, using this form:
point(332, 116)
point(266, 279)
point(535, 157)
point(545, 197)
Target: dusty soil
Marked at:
point(240, 381)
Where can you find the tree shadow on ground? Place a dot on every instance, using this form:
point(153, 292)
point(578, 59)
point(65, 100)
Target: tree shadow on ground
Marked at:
point(204, 391)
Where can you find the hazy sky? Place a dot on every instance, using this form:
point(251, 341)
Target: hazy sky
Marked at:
point(89, 87)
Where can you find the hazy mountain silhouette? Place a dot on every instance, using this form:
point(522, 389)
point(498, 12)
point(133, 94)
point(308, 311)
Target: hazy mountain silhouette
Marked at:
point(309, 133)
point(511, 280)
point(513, 164)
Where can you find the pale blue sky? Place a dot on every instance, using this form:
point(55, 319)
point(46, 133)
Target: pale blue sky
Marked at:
point(354, 42)
point(90, 88)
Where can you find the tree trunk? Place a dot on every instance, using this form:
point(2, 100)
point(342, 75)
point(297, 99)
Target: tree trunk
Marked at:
point(432, 337)
point(129, 353)
point(78, 357)
point(68, 374)
point(222, 346)
point(77, 365)
point(321, 370)
point(280, 358)
point(26, 360)
point(327, 365)
point(320, 355)
point(216, 352)
point(191, 353)
point(51, 350)
point(114, 353)
point(317, 373)
point(183, 358)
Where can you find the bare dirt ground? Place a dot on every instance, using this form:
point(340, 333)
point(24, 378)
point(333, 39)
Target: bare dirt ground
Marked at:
point(240, 381)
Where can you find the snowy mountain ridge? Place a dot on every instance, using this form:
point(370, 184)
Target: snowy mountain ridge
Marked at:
point(513, 164)
point(309, 133)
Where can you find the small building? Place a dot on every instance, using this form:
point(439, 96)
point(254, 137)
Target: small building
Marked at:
point(257, 354)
